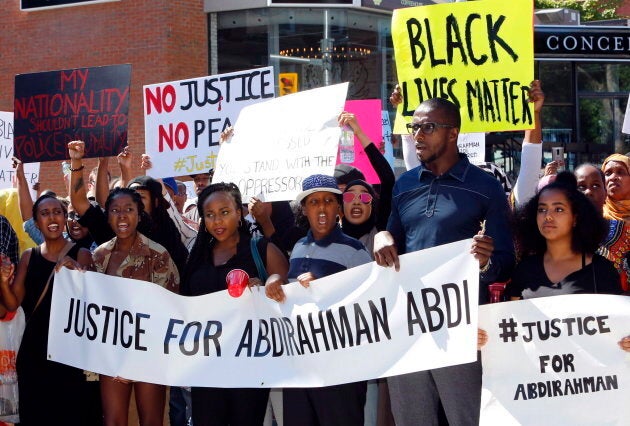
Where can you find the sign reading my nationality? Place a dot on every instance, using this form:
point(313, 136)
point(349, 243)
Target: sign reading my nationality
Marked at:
point(479, 55)
point(55, 107)
point(184, 119)
point(556, 361)
point(276, 144)
point(380, 321)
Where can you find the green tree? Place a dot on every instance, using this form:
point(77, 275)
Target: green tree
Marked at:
point(590, 10)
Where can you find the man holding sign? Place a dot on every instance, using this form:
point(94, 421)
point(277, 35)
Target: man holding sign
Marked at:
point(443, 200)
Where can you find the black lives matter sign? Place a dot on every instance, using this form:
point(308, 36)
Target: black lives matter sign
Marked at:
point(55, 107)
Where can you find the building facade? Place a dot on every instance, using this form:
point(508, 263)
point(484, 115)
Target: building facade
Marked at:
point(586, 85)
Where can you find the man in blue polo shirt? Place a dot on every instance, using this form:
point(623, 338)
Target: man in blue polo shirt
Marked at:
point(444, 199)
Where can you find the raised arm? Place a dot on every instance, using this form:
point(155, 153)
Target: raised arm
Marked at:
point(125, 159)
point(531, 155)
point(78, 193)
point(380, 165)
point(102, 181)
point(24, 196)
point(536, 97)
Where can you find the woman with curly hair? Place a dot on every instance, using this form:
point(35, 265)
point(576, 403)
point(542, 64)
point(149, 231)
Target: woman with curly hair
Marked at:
point(558, 232)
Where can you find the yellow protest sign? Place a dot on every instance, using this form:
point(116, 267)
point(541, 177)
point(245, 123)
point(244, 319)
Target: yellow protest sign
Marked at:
point(479, 55)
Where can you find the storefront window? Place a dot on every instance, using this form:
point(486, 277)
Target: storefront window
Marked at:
point(358, 44)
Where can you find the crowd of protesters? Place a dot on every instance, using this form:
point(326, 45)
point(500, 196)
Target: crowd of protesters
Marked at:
point(562, 234)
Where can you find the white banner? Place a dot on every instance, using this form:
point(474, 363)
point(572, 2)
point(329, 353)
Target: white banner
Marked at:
point(7, 172)
point(278, 143)
point(555, 361)
point(359, 324)
point(184, 119)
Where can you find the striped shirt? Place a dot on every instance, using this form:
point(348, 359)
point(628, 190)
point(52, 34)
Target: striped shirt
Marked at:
point(334, 253)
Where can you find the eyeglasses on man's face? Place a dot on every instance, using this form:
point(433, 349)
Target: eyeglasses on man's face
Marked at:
point(426, 128)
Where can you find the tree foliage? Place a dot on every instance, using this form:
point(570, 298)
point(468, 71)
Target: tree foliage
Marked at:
point(590, 10)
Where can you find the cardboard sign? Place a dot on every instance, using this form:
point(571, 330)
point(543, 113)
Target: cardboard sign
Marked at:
point(276, 144)
point(55, 107)
point(555, 361)
point(379, 321)
point(184, 119)
point(479, 55)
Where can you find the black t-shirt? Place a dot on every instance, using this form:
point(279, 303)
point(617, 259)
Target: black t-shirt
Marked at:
point(207, 278)
point(530, 279)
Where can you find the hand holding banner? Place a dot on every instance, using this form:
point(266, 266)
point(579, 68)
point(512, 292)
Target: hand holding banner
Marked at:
point(380, 321)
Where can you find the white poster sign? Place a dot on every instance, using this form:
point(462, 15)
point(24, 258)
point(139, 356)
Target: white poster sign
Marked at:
point(379, 321)
point(474, 146)
point(184, 119)
point(555, 361)
point(278, 143)
point(626, 119)
point(387, 138)
point(7, 172)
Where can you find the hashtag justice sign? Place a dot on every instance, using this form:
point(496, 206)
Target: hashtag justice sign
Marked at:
point(555, 360)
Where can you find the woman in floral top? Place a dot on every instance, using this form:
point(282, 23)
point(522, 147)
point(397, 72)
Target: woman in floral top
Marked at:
point(132, 255)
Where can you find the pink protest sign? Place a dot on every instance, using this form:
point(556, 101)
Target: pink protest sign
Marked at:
point(368, 113)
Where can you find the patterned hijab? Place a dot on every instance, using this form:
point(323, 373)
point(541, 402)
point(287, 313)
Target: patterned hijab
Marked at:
point(619, 210)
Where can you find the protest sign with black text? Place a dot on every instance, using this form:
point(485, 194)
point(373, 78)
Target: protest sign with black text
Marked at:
point(380, 321)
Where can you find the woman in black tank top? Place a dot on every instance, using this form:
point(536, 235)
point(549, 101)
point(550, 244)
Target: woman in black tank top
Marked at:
point(49, 392)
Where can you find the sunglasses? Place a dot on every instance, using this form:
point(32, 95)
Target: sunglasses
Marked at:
point(425, 128)
point(73, 216)
point(349, 197)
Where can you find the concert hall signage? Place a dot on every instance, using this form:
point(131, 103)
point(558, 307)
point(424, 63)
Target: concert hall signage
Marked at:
point(583, 41)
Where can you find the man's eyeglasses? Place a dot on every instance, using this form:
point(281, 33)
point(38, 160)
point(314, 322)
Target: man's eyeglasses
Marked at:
point(73, 216)
point(349, 197)
point(426, 128)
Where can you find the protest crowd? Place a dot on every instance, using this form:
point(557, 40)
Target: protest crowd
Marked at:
point(549, 234)
point(563, 233)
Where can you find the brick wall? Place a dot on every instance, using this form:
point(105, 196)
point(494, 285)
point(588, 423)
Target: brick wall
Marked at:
point(163, 40)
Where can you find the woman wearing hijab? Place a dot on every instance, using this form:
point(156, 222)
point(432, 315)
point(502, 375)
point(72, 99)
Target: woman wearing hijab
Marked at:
point(616, 169)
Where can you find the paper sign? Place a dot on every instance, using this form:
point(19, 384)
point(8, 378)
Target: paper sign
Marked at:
point(184, 119)
point(278, 143)
point(477, 54)
point(473, 145)
point(626, 119)
point(555, 361)
point(55, 107)
point(387, 138)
